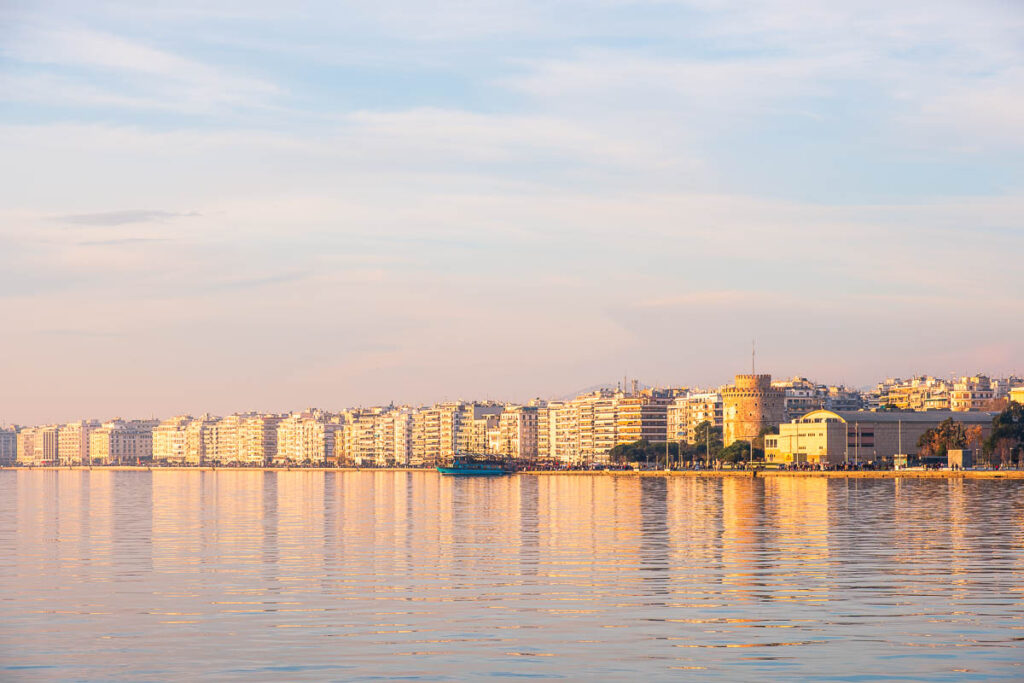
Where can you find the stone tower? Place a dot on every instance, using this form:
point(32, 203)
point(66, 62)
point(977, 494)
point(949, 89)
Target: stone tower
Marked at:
point(750, 405)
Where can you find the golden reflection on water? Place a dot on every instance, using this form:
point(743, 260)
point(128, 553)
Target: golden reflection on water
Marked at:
point(347, 575)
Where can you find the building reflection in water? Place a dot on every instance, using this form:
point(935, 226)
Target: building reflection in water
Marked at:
point(388, 574)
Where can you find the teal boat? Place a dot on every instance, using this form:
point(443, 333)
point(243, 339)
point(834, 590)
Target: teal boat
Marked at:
point(478, 466)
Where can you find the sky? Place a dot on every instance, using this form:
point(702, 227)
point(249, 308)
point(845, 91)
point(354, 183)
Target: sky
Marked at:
point(217, 207)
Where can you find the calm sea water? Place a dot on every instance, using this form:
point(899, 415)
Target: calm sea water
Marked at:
point(392, 575)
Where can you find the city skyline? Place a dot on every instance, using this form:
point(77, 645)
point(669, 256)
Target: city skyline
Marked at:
point(336, 204)
point(625, 384)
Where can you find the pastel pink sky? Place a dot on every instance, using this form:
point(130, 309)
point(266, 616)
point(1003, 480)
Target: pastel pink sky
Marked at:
point(255, 209)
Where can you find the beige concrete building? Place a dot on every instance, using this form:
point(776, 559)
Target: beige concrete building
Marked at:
point(477, 427)
point(38, 445)
point(642, 416)
point(918, 393)
point(437, 431)
point(971, 393)
point(1017, 395)
point(201, 441)
point(687, 412)
point(518, 432)
point(308, 438)
point(800, 396)
point(355, 444)
point(583, 430)
point(121, 442)
point(749, 406)
point(73, 442)
point(547, 430)
point(425, 439)
point(169, 440)
point(835, 437)
point(257, 439)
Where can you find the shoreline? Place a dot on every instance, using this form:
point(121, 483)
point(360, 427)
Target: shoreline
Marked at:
point(697, 474)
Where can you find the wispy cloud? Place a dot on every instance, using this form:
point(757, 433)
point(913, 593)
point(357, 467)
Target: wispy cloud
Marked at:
point(124, 241)
point(130, 216)
point(116, 70)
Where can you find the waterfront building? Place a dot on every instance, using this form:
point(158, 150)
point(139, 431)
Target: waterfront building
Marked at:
point(8, 446)
point(222, 440)
point(201, 441)
point(435, 432)
point(257, 439)
point(833, 437)
point(392, 437)
point(547, 429)
point(583, 430)
point(518, 432)
point(479, 428)
point(121, 442)
point(749, 406)
point(169, 440)
point(685, 413)
point(356, 442)
point(307, 438)
point(380, 437)
point(642, 416)
point(602, 425)
point(38, 445)
point(73, 442)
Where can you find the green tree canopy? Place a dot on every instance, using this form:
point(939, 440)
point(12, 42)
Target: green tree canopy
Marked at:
point(643, 450)
point(1007, 432)
point(739, 450)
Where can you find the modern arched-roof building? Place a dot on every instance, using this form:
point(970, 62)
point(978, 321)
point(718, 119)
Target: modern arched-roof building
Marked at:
point(840, 436)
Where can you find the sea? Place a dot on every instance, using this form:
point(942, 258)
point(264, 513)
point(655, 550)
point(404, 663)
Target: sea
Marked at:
point(240, 575)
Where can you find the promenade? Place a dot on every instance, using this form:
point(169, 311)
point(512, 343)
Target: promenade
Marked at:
point(699, 474)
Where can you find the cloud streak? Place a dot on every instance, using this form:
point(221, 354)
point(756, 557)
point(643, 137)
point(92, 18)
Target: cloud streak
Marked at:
point(125, 217)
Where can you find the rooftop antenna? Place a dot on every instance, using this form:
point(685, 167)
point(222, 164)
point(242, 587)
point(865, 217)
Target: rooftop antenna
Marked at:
point(753, 356)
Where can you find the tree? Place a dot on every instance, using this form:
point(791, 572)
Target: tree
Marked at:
point(739, 451)
point(704, 433)
point(974, 437)
point(642, 450)
point(936, 441)
point(765, 431)
point(1007, 438)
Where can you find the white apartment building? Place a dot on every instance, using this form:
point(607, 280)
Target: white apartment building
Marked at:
point(307, 438)
point(257, 439)
point(169, 440)
point(73, 442)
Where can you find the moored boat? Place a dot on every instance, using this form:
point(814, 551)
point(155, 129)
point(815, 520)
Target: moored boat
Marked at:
point(470, 465)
